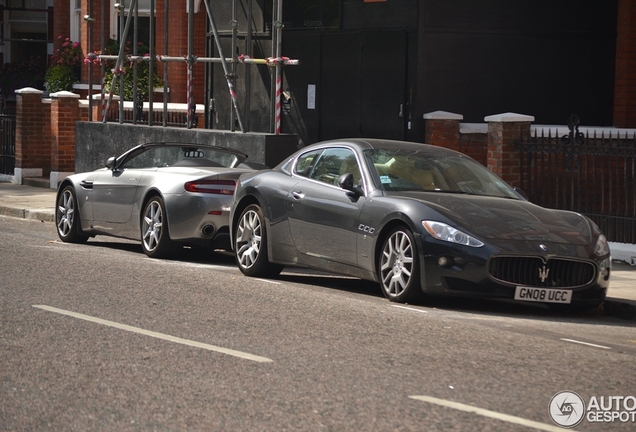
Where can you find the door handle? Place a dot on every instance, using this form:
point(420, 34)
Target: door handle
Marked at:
point(298, 195)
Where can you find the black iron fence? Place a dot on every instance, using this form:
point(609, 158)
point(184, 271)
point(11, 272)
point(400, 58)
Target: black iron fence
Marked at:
point(7, 140)
point(173, 118)
point(593, 174)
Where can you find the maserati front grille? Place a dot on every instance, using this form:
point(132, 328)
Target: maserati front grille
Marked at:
point(535, 272)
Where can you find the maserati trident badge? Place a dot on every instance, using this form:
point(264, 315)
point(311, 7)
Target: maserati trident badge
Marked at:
point(543, 273)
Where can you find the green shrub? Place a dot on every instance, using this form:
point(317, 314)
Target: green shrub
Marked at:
point(64, 70)
point(59, 78)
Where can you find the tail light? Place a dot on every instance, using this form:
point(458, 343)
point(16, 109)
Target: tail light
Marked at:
point(217, 187)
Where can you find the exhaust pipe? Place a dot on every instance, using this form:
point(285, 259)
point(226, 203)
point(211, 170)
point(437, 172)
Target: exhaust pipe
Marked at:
point(207, 230)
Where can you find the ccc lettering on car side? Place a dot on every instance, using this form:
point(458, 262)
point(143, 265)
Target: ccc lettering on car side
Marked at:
point(366, 229)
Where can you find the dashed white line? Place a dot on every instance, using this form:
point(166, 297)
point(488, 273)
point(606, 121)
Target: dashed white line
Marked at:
point(585, 343)
point(409, 308)
point(487, 413)
point(268, 281)
point(175, 339)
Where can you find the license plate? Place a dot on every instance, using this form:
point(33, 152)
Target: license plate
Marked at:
point(543, 295)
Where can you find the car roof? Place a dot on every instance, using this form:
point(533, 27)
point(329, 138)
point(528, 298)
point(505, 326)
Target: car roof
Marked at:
point(378, 143)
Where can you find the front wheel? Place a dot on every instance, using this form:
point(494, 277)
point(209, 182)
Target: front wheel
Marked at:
point(67, 217)
point(155, 238)
point(250, 245)
point(399, 267)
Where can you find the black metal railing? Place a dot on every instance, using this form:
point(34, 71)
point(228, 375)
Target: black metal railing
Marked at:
point(173, 118)
point(7, 141)
point(593, 174)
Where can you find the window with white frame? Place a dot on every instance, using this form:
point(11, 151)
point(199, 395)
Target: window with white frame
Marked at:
point(76, 20)
point(143, 14)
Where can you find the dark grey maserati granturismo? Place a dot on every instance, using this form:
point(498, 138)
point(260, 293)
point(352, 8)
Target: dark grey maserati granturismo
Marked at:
point(417, 219)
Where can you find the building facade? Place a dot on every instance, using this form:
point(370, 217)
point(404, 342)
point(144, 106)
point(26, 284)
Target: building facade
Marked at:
point(367, 68)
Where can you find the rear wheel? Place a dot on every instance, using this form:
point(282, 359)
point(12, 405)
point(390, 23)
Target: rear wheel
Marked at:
point(155, 238)
point(67, 217)
point(250, 245)
point(399, 267)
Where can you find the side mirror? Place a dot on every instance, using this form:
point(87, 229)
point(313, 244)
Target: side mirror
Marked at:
point(345, 181)
point(521, 193)
point(110, 163)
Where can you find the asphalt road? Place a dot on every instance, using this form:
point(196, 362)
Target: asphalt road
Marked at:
point(99, 337)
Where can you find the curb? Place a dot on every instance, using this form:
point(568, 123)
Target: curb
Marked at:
point(43, 214)
point(623, 309)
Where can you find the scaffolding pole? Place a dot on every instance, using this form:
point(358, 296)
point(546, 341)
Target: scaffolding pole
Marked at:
point(278, 28)
point(275, 62)
point(118, 69)
point(226, 70)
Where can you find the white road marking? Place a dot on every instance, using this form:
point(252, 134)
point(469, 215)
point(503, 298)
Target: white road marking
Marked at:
point(488, 413)
point(269, 281)
point(585, 343)
point(175, 339)
point(191, 264)
point(410, 308)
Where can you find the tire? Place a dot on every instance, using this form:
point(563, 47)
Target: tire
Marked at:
point(250, 244)
point(67, 217)
point(398, 266)
point(155, 239)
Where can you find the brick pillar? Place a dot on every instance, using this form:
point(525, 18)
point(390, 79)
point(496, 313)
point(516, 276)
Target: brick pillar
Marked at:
point(625, 75)
point(32, 142)
point(65, 113)
point(441, 128)
point(504, 131)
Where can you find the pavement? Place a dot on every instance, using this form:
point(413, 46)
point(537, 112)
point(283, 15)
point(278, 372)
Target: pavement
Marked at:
point(38, 203)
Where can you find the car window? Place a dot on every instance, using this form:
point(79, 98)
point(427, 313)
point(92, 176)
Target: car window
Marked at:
point(411, 170)
point(306, 162)
point(334, 162)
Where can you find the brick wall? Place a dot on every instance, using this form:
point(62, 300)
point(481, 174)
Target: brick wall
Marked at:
point(495, 149)
point(475, 145)
point(61, 22)
point(96, 36)
point(178, 47)
point(625, 82)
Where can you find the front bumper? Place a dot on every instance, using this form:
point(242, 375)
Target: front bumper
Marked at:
point(466, 271)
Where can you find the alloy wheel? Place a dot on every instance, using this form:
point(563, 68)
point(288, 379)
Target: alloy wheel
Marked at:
point(396, 265)
point(66, 213)
point(152, 225)
point(248, 239)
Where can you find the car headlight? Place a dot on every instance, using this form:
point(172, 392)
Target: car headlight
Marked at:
point(602, 247)
point(442, 231)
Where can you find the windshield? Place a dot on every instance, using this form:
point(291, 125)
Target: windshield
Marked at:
point(181, 156)
point(404, 170)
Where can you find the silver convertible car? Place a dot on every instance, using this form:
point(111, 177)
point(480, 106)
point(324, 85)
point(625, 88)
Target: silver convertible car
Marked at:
point(417, 219)
point(165, 194)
